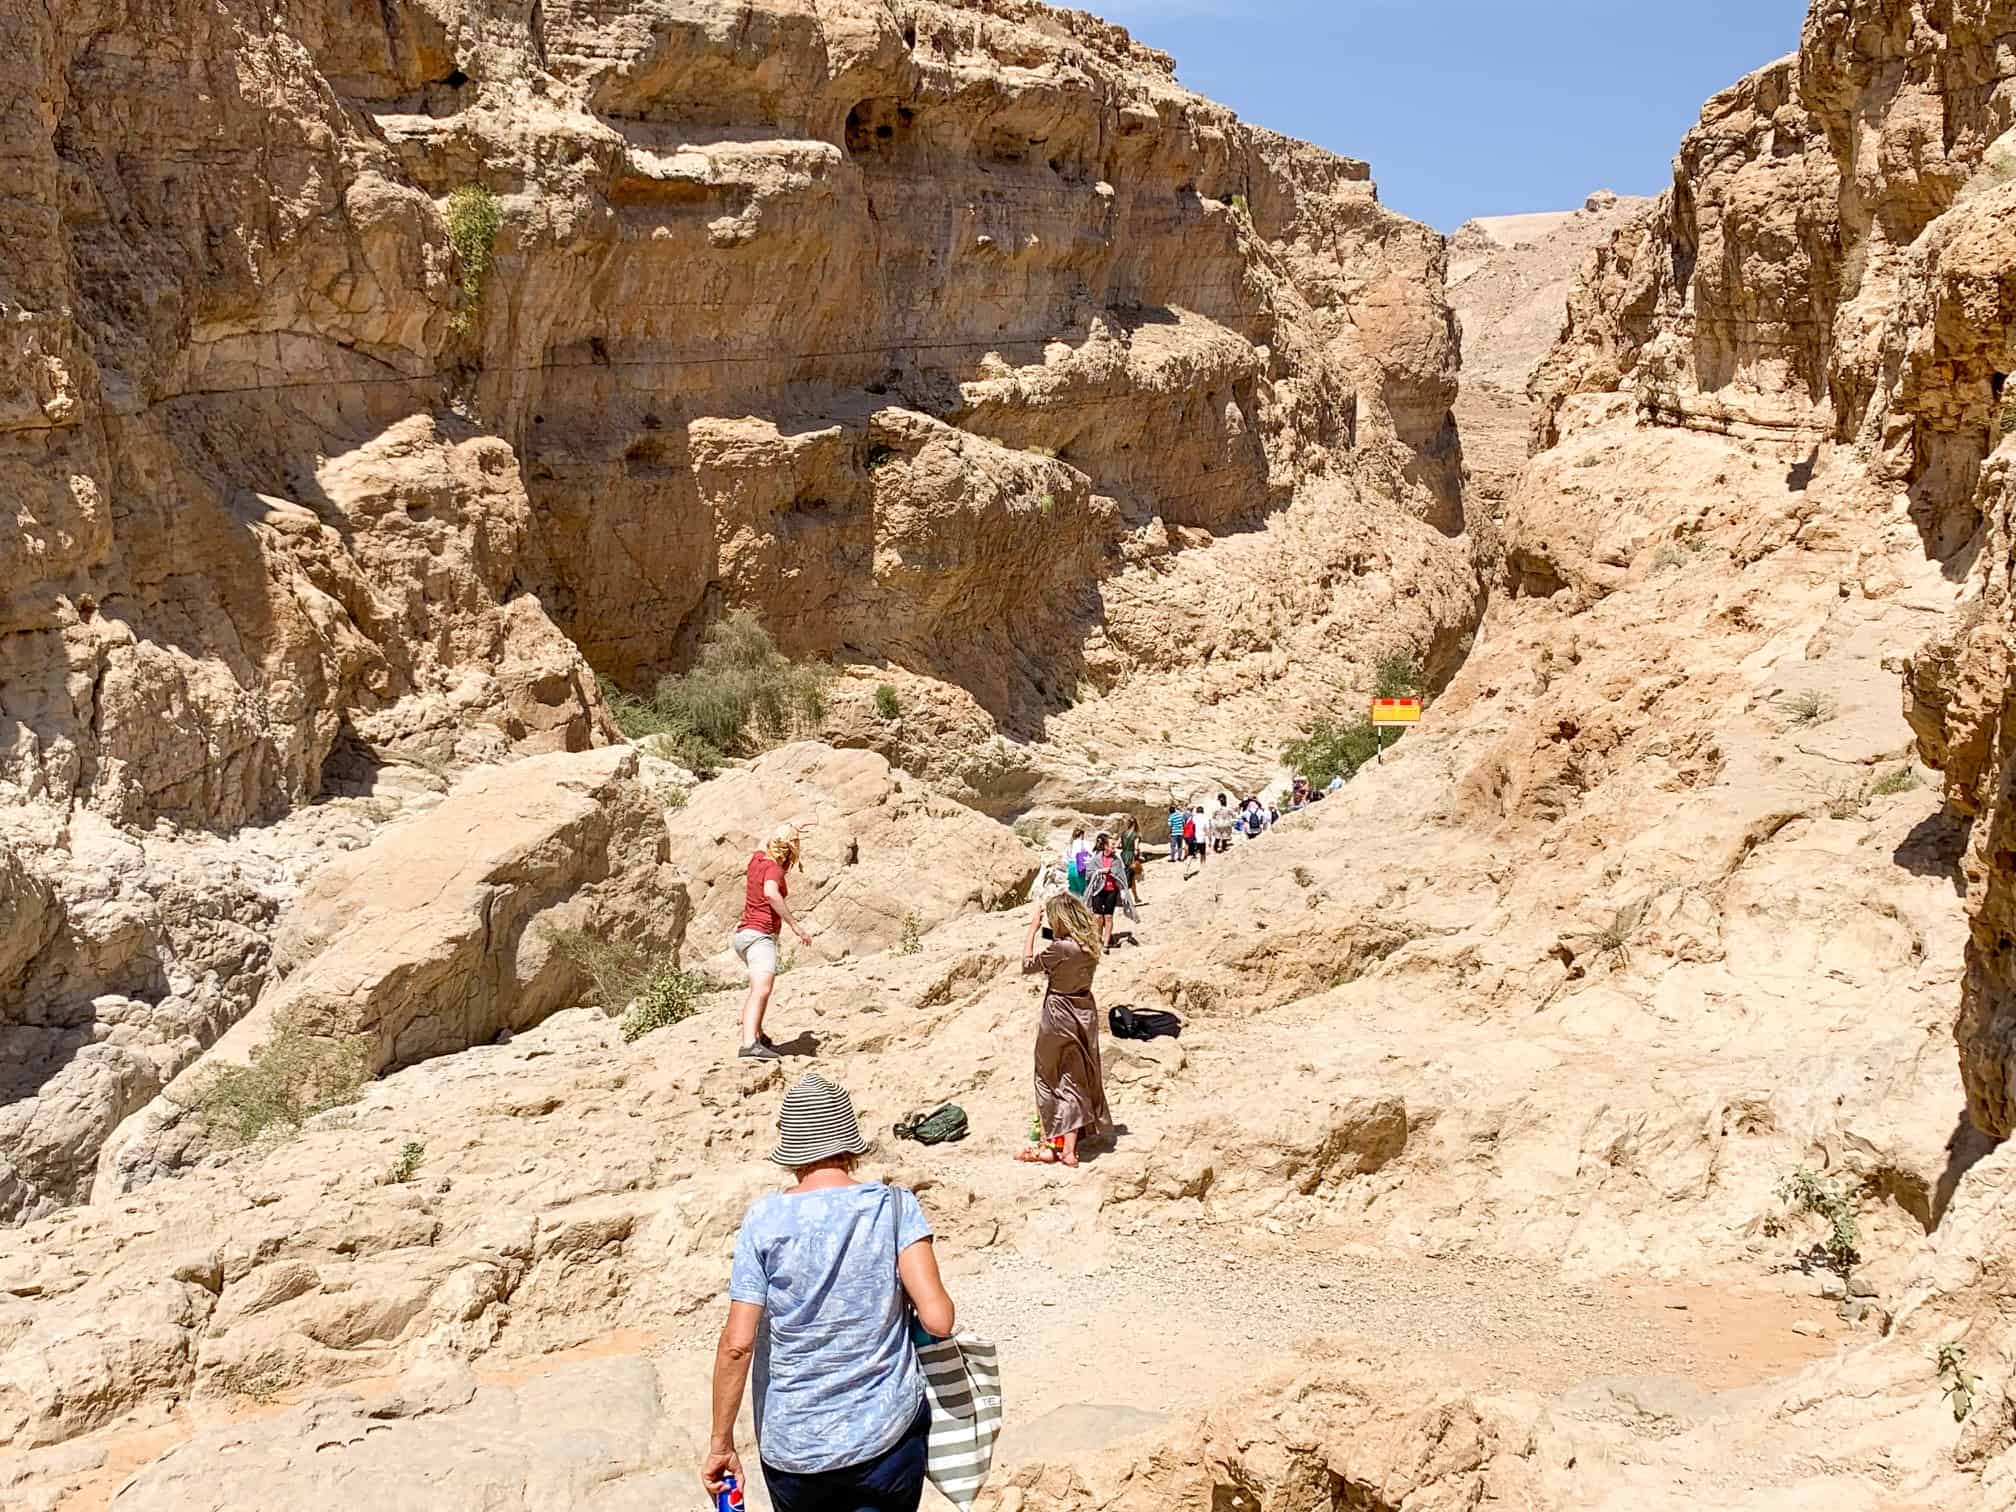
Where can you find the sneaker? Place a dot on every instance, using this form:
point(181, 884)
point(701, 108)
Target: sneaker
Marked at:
point(766, 1042)
point(758, 1051)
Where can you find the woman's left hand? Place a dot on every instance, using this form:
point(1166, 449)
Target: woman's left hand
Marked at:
point(719, 1462)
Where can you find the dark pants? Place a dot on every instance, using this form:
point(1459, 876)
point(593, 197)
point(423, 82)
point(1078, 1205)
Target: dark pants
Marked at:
point(891, 1482)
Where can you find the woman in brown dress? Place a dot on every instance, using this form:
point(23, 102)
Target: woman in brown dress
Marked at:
point(1070, 1087)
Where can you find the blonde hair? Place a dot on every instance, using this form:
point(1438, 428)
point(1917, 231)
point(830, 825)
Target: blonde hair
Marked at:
point(785, 846)
point(1070, 919)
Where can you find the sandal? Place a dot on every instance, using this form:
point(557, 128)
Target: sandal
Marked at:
point(1037, 1155)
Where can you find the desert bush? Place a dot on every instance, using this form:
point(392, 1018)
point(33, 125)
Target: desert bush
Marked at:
point(1200, 997)
point(290, 1078)
point(617, 970)
point(677, 798)
point(1834, 1203)
point(1246, 746)
point(1328, 748)
point(474, 217)
point(635, 717)
point(743, 694)
point(1897, 780)
point(886, 702)
point(668, 995)
point(411, 1154)
point(1032, 830)
point(1802, 710)
point(654, 993)
point(1845, 799)
point(1612, 940)
point(1680, 553)
point(1239, 203)
point(912, 941)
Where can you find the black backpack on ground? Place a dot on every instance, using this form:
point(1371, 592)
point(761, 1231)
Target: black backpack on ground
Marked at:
point(1147, 1024)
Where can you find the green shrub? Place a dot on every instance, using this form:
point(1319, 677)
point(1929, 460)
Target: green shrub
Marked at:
point(912, 941)
point(1397, 676)
point(1330, 749)
point(667, 995)
point(886, 702)
point(1032, 830)
point(1239, 203)
point(290, 1078)
point(1834, 1203)
point(742, 696)
point(677, 799)
point(410, 1155)
point(1897, 780)
point(474, 217)
point(1956, 1381)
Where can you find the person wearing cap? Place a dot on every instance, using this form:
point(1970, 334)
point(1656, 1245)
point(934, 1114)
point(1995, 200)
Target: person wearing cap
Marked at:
point(764, 912)
point(827, 1275)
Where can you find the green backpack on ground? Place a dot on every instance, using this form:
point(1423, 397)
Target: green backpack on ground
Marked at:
point(944, 1125)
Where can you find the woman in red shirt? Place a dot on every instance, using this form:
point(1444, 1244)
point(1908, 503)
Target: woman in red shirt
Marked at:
point(764, 912)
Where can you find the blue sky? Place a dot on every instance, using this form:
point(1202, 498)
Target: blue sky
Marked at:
point(1473, 107)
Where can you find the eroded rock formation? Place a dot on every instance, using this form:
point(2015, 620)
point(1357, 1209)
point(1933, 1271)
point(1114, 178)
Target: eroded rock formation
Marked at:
point(947, 336)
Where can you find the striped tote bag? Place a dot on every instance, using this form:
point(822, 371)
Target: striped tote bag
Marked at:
point(962, 1379)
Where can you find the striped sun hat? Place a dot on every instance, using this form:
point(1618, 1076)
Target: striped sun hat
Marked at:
point(816, 1123)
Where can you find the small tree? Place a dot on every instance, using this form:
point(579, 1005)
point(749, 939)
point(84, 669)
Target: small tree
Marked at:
point(1398, 675)
point(886, 703)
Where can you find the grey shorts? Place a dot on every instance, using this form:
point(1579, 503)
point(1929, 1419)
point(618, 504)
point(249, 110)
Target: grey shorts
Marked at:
point(757, 950)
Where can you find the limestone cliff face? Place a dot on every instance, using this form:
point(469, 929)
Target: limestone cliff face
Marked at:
point(957, 339)
point(1834, 270)
point(907, 323)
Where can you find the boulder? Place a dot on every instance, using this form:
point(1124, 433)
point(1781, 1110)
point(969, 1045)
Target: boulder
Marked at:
point(439, 934)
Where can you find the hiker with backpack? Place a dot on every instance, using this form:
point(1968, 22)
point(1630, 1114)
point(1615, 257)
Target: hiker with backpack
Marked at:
point(1070, 1086)
point(827, 1277)
point(1105, 885)
point(764, 912)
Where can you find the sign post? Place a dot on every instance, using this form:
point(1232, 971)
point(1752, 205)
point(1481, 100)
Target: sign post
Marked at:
point(1400, 712)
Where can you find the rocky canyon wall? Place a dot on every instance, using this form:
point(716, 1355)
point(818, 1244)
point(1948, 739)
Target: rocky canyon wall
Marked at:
point(1834, 273)
point(957, 340)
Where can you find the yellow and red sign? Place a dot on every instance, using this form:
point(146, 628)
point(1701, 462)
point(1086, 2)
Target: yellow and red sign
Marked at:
point(1396, 711)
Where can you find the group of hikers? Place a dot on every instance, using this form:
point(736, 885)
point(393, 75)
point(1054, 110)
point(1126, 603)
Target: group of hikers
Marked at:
point(835, 1283)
